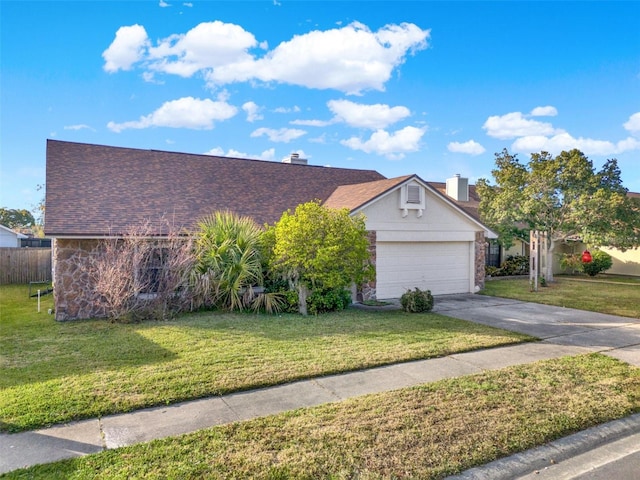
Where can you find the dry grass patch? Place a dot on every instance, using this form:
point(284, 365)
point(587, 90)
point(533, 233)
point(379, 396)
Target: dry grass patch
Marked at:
point(426, 432)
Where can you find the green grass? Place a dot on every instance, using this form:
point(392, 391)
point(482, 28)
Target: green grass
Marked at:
point(53, 372)
point(425, 432)
point(604, 294)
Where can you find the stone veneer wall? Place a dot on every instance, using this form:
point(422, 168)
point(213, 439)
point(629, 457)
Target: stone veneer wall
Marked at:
point(367, 291)
point(481, 253)
point(75, 296)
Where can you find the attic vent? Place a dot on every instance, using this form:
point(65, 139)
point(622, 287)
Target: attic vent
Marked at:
point(413, 194)
point(412, 197)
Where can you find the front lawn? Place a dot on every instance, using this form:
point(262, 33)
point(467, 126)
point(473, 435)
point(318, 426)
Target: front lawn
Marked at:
point(53, 372)
point(604, 294)
point(425, 432)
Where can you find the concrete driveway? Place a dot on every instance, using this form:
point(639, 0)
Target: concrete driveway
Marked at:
point(616, 336)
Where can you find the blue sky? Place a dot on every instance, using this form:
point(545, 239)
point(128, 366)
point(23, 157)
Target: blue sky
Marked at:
point(432, 88)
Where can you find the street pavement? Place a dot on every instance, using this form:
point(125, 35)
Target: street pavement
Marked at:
point(562, 332)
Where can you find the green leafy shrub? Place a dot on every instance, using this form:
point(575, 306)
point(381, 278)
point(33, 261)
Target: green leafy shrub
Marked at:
point(491, 271)
point(416, 301)
point(601, 261)
point(319, 248)
point(512, 265)
point(571, 262)
point(328, 300)
point(515, 265)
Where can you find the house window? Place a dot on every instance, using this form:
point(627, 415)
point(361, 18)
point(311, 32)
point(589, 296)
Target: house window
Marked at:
point(493, 254)
point(150, 271)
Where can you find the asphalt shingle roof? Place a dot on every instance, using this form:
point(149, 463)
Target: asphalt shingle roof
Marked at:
point(354, 196)
point(95, 190)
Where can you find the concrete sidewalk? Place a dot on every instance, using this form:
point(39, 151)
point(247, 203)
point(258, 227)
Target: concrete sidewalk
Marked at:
point(564, 332)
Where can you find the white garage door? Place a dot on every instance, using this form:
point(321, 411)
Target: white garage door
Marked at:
point(442, 267)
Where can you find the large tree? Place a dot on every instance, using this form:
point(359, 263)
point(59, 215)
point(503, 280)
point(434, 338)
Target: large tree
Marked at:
point(563, 196)
point(318, 247)
point(14, 218)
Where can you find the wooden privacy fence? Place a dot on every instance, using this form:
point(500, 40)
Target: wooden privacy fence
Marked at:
point(24, 265)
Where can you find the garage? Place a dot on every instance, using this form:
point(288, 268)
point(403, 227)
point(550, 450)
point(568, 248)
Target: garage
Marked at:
point(442, 267)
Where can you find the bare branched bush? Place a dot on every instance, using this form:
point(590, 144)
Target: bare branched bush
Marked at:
point(140, 275)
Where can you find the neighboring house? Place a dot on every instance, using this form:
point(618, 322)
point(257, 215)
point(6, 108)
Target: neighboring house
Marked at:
point(9, 238)
point(627, 262)
point(624, 263)
point(419, 236)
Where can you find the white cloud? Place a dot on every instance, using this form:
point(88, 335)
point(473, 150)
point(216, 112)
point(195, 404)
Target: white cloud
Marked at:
point(391, 145)
point(312, 123)
point(350, 59)
point(150, 77)
point(126, 49)
point(269, 154)
point(284, 135)
point(374, 117)
point(219, 152)
point(471, 147)
point(216, 152)
point(79, 127)
point(534, 136)
point(164, 4)
point(208, 45)
point(321, 139)
point(633, 124)
point(252, 111)
point(514, 124)
point(547, 111)
point(564, 141)
point(187, 112)
point(294, 109)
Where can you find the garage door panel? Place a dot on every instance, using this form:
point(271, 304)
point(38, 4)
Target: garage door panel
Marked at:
point(442, 267)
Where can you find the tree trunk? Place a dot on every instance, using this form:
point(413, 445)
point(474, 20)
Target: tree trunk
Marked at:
point(549, 262)
point(303, 292)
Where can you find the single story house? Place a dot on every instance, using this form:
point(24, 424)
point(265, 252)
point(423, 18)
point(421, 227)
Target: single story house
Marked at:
point(419, 236)
point(9, 238)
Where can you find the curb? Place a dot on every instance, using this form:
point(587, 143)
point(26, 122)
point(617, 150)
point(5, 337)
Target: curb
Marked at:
point(554, 452)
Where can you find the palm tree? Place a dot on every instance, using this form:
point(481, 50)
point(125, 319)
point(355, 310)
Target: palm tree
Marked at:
point(229, 260)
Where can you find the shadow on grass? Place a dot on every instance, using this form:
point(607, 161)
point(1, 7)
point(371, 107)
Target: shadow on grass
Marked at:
point(76, 348)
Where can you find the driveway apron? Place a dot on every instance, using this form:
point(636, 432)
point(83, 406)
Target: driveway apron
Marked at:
point(612, 335)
